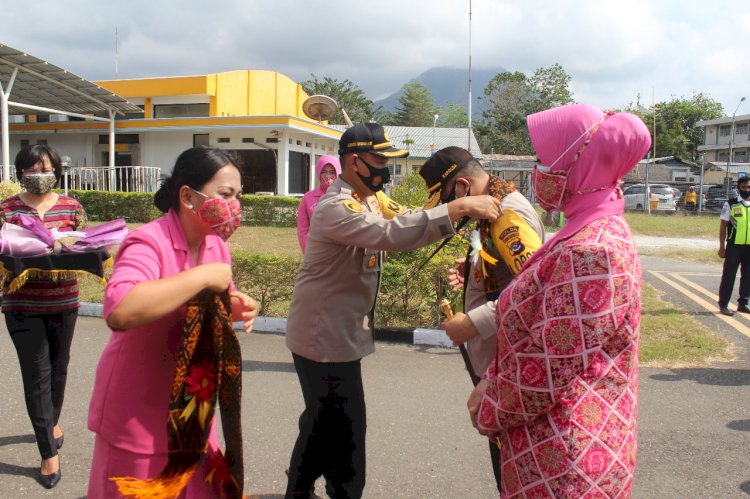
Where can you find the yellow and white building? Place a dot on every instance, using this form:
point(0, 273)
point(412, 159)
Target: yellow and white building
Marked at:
point(258, 114)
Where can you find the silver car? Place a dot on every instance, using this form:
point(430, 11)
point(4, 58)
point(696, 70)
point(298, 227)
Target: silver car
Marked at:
point(662, 198)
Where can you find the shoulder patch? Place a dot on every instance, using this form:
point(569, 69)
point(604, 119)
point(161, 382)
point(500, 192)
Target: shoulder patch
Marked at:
point(354, 207)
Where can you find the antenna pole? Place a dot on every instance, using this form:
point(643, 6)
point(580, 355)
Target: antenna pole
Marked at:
point(116, 53)
point(468, 147)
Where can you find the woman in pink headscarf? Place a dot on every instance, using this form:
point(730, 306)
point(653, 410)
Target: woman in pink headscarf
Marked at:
point(327, 168)
point(561, 396)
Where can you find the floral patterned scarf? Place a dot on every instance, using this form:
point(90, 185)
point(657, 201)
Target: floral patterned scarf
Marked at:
point(209, 365)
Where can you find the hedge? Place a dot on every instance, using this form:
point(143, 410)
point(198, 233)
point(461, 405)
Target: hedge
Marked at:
point(138, 207)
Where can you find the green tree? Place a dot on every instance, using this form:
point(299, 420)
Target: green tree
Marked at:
point(416, 107)
point(513, 96)
point(453, 116)
point(347, 95)
point(676, 130)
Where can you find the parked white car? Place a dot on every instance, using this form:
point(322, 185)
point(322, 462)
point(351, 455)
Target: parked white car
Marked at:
point(662, 196)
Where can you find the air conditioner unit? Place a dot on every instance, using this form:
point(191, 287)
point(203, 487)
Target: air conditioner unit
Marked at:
point(57, 118)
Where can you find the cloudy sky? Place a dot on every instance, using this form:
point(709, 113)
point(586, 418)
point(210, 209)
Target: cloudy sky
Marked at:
point(615, 51)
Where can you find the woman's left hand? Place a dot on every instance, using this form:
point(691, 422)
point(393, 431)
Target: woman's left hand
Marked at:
point(249, 310)
point(475, 400)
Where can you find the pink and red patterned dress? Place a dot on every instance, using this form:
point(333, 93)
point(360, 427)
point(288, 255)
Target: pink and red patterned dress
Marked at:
point(563, 392)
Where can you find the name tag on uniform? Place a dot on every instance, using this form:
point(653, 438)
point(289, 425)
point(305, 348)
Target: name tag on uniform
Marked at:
point(372, 261)
point(737, 211)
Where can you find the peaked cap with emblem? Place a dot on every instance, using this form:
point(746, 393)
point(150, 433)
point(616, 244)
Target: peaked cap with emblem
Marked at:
point(369, 137)
point(440, 168)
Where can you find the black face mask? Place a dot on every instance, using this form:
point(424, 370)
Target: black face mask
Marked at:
point(452, 196)
point(744, 194)
point(384, 174)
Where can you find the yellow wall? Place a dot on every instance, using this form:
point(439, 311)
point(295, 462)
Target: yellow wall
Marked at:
point(160, 87)
point(232, 93)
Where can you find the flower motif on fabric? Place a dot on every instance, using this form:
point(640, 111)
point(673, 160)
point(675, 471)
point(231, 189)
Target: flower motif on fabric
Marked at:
point(551, 457)
point(565, 370)
point(528, 472)
point(200, 386)
point(587, 262)
point(590, 413)
point(559, 301)
point(562, 337)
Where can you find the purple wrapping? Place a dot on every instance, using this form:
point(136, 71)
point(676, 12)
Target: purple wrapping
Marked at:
point(36, 226)
point(102, 236)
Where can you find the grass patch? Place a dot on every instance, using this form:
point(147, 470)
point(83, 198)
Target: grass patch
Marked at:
point(677, 225)
point(266, 240)
point(671, 338)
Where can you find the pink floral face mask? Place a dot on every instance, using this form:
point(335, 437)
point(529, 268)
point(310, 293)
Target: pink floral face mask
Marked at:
point(223, 216)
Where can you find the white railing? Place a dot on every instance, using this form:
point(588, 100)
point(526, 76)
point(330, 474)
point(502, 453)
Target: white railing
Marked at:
point(119, 178)
point(100, 178)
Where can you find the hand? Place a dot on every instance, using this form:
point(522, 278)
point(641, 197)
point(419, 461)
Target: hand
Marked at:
point(460, 329)
point(216, 276)
point(482, 207)
point(722, 252)
point(456, 275)
point(249, 310)
point(475, 400)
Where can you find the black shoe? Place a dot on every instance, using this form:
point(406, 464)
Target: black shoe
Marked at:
point(60, 441)
point(725, 311)
point(49, 481)
point(744, 309)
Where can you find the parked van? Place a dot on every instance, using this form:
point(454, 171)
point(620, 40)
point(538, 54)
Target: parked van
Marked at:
point(662, 198)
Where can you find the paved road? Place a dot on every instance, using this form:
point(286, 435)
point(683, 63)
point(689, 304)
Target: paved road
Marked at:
point(694, 422)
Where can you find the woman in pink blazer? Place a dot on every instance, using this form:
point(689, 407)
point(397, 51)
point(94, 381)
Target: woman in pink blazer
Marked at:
point(327, 168)
point(159, 267)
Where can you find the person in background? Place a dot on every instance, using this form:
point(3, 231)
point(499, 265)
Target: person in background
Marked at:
point(561, 394)
point(159, 268)
point(734, 248)
point(502, 247)
point(331, 315)
point(41, 315)
point(691, 200)
point(327, 169)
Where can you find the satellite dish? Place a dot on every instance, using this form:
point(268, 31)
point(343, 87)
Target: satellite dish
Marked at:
point(319, 107)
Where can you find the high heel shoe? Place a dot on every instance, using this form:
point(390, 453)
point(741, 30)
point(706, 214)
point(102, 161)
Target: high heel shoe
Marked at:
point(59, 441)
point(49, 481)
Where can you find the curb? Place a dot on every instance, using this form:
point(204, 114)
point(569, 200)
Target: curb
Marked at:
point(277, 325)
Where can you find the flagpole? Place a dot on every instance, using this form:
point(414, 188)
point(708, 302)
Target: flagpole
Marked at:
point(468, 148)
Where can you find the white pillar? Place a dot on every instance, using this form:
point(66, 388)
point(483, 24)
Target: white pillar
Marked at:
point(4, 95)
point(282, 165)
point(111, 150)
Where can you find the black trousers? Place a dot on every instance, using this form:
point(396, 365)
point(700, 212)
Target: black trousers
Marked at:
point(332, 428)
point(42, 343)
point(737, 256)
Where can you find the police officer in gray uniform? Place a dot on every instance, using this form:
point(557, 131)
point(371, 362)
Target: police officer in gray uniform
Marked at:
point(330, 322)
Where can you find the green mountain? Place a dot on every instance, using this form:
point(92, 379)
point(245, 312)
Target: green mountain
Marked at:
point(449, 85)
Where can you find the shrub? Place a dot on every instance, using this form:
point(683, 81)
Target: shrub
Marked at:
point(135, 207)
point(267, 278)
point(269, 211)
point(8, 189)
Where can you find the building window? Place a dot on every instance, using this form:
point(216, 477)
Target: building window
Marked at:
point(740, 156)
point(120, 138)
point(223, 140)
point(725, 130)
point(740, 129)
point(200, 139)
point(398, 169)
point(723, 156)
point(181, 110)
point(24, 143)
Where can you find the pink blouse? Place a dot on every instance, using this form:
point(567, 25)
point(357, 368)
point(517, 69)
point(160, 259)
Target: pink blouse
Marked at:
point(134, 377)
point(563, 389)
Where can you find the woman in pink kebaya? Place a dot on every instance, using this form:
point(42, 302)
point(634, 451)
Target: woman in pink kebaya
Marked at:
point(327, 168)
